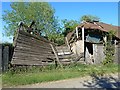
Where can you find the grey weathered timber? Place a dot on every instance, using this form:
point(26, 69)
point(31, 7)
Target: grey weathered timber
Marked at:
point(57, 59)
point(67, 42)
point(36, 50)
point(0, 58)
point(99, 55)
point(66, 56)
point(5, 58)
point(118, 53)
point(32, 50)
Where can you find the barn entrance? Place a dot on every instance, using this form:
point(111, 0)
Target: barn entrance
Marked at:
point(89, 46)
point(89, 52)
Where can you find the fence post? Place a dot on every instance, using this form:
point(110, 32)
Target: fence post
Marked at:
point(0, 58)
point(5, 58)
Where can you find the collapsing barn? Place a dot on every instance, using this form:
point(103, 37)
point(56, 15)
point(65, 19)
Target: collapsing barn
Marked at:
point(32, 49)
point(84, 45)
point(88, 38)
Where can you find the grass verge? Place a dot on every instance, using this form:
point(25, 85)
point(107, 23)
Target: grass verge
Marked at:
point(38, 75)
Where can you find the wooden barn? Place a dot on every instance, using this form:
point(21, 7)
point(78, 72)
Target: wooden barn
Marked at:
point(32, 49)
point(88, 38)
point(83, 45)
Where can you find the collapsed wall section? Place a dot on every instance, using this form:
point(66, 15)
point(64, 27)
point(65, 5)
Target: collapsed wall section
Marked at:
point(31, 50)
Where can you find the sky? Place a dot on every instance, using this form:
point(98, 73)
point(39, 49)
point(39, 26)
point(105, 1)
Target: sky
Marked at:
point(106, 11)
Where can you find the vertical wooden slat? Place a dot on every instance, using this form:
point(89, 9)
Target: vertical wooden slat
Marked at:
point(118, 52)
point(77, 32)
point(67, 43)
point(83, 36)
point(0, 58)
point(5, 58)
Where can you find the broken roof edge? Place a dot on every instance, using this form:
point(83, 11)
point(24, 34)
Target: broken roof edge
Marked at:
point(97, 25)
point(100, 26)
point(34, 36)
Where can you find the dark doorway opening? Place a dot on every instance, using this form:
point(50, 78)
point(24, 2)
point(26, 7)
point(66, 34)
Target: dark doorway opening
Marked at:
point(89, 47)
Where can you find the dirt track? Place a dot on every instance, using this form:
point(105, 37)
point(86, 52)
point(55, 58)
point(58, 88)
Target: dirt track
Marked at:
point(106, 81)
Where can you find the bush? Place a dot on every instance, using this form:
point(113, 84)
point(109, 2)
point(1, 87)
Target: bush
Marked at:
point(109, 49)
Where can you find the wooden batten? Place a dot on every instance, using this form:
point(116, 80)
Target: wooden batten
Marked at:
point(56, 55)
point(83, 36)
point(77, 32)
point(67, 42)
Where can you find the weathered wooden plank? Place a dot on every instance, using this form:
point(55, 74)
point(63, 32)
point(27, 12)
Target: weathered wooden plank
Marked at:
point(5, 58)
point(64, 63)
point(32, 53)
point(37, 51)
point(66, 56)
point(30, 43)
point(33, 56)
point(31, 47)
point(29, 60)
point(29, 35)
point(32, 50)
point(57, 59)
point(23, 62)
point(15, 38)
point(21, 39)
point(32, 36)
point(65, 60)
point(0, 58)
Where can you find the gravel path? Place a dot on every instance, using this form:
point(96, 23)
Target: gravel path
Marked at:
point(106, 81)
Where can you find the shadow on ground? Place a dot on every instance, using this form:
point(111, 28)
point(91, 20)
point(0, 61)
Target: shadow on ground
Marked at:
point(107, 83)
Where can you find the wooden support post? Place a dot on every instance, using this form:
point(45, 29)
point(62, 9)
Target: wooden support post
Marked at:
point(56, 55)
point(115, 42)
point(77, 32)
point(5, 59)
point(83, 37)
point(0, 58)
point(67, 42)
point(105, 39)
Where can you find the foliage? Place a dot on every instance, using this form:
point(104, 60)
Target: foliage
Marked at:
point(69, 25)
point(109, 49)
point(41, 12)
point(7, 44)
point(50, 73)
point(89, 18)
point(57, 38)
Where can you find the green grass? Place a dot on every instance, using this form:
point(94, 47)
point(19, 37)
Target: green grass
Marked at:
point(38, 75)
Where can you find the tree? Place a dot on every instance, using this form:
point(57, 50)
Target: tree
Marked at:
point(89, 18)
point(69, 25)
point(41, 12)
